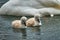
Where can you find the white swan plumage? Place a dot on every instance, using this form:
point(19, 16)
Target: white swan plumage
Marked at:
point(29, 7)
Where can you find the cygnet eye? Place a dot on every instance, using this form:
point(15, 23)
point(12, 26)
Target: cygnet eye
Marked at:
point(37, 19)
point(23, 22)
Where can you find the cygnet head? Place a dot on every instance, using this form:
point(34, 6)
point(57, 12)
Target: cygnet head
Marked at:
point(37, 18)
point(23, 20)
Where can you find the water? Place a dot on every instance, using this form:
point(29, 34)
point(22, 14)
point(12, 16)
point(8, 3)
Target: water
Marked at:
point(2, 2)
point(50, 29)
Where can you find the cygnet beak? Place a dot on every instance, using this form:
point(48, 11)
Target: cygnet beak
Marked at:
point(40, 23)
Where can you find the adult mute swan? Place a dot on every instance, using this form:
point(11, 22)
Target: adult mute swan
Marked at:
point(28, 7)
point(18, 8)
point(19, 23)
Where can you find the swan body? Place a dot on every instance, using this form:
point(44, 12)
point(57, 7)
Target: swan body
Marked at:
point(19, 23)
point(35, 21)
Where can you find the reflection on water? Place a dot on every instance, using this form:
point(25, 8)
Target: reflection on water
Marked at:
point(50, 29)
point(37, 30)
point(23, 31)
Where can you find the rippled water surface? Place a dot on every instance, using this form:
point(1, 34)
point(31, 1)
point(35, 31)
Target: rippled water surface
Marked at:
point(50, 29)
